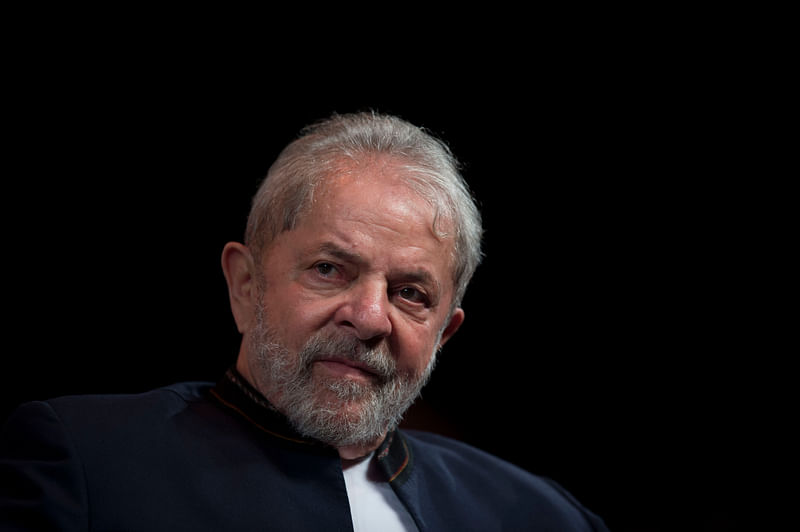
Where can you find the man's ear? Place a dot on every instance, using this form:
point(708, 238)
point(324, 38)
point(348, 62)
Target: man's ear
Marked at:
point(456, 319)
point(239, 269)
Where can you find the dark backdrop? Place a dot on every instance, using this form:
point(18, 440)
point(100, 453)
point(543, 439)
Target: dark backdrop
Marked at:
point(601, 335)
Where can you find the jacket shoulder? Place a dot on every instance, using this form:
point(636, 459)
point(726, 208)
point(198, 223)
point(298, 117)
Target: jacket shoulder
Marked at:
point(59, 455)
point(177, 394)
point(490, 485)
point(128, 417)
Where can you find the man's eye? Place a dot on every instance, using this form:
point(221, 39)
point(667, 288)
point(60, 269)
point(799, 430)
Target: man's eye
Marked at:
point(325, 269)
point(412, 294)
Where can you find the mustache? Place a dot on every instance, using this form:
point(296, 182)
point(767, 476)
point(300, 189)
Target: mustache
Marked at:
point(376, 359)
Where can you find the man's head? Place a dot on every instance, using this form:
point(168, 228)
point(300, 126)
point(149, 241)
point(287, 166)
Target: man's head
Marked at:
point(359, 247)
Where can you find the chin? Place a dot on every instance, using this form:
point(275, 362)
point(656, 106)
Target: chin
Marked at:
point(349, 409)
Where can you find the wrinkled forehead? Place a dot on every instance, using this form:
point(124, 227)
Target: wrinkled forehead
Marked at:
point(396, 176)
point(384, 189)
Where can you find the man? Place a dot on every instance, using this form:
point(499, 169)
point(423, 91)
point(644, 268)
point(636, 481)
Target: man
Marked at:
point(359, 247)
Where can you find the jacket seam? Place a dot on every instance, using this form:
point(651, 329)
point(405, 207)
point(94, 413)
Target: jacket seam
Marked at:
point(71, 441)
point(253, 422)
point(405, 461)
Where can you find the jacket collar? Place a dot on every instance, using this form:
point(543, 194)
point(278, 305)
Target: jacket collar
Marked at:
point(393, 456)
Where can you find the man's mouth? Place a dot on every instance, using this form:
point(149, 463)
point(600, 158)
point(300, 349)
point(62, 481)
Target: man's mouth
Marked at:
point(344, 367)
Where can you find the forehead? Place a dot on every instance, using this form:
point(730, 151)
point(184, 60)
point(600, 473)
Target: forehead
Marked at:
point(372, 207)
point(373, 197)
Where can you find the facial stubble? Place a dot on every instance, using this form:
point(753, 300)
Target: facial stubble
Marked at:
point(339, 411)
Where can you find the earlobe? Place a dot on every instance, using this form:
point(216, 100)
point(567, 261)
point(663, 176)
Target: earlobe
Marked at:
point(456, 319)
point(238, 267)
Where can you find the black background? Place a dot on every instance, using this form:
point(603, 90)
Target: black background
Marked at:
point(609, 340)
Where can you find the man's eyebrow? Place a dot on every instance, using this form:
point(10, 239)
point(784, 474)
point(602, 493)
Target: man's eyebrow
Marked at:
point(420, 275)
point(338, 252)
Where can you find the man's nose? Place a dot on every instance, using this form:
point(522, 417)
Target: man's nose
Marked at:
point(365, 311)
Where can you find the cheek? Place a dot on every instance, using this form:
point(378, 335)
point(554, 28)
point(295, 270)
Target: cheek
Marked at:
point(413, 351)
point(299, 319)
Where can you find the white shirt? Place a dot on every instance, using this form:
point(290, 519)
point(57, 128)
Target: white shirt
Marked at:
point(373, 504)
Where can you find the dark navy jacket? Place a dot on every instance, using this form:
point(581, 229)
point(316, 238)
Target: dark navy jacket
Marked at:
point(200, 457)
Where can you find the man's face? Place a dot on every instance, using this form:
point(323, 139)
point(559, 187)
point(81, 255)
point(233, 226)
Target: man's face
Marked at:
point(354, 303)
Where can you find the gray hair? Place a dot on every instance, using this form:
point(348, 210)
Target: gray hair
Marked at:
point(429, 168)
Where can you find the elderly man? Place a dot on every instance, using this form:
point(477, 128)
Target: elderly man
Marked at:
point(359, 247)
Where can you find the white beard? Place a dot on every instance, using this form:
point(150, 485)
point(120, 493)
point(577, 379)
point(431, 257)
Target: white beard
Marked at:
point(339, 412)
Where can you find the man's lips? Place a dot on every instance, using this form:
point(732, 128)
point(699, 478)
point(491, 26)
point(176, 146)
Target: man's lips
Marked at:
point(346, 367)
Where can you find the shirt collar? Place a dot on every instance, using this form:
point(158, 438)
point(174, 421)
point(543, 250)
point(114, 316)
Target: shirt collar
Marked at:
point(393, 456)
